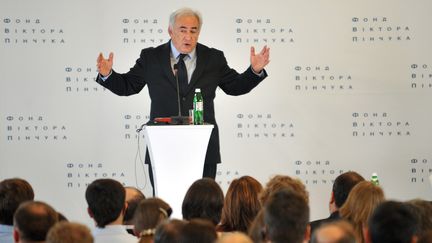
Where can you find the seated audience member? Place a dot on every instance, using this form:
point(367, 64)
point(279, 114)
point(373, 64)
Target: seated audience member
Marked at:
point(107, 206)
point(198, 230)
point(334, 232)
point(204, 199)
point(66, 232)
point(423, 210)
point(13, 192)
point(148, 215)
point(257, 228)
point(361, 201)
point(234, 237)
point(341, 188)
point(281, 181)
point(241, 205)
point(392, 222)
point(133, 197)
point(286, 217)
point(32, 221)
point(169, 231)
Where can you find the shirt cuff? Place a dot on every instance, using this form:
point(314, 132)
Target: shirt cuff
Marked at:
point(260, 74)
point(103, 78)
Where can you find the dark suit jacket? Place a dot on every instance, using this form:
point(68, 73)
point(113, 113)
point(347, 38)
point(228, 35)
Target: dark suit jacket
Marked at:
point(153, 68)
point(317, 223)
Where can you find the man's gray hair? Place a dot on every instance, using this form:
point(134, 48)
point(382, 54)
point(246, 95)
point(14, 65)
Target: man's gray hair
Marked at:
point(184, 12)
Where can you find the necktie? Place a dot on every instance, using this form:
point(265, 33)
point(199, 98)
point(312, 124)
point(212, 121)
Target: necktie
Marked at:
point(182, 74)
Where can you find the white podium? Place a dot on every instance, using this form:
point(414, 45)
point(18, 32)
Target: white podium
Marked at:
point(177, 154)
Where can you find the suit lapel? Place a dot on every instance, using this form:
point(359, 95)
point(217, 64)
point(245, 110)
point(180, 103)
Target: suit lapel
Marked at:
point(165, 60)
point(201, 62)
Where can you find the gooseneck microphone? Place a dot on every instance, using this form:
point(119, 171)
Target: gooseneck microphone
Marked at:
point(179, 119)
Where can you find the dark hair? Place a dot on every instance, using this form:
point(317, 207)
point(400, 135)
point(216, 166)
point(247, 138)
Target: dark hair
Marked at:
point(136, 197)
point(257, 228)
point(148, 215)
point(392, 221)
point(241, 205)
point(204, 199)
point(106, 200)
point(286, 216)
point(343, 185)
point(34, 219)
point(13, 192)
point(198, 230)
point(169, 231)
point(423, 210)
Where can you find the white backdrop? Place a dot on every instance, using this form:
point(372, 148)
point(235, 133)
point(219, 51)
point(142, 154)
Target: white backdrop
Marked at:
point(349, 88)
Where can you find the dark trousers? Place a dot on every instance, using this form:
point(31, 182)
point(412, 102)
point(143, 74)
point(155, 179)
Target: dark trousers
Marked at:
point(209, 171)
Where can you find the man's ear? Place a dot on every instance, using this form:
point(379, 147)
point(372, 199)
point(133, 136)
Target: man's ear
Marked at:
point(90, 213)
point(16, 235)
point(332, 197)
point(307, 235)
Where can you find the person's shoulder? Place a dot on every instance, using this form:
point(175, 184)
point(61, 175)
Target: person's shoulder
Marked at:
point(209, 50)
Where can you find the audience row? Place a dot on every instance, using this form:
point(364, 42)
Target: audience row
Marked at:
point(278, 212)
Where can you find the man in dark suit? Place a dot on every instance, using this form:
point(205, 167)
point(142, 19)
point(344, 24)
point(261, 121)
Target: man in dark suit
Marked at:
point(206, 69)
point(341, 188)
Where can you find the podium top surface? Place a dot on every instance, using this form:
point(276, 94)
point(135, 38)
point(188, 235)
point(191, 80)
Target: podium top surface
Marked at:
point(186, 127)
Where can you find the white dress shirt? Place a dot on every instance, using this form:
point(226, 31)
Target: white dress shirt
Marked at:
point(113, 234)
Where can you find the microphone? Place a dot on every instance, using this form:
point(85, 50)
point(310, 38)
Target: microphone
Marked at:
point(179, 119)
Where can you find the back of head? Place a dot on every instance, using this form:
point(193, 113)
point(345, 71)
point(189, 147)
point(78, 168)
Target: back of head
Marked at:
point(335, 232)
point(281, 181)
point(392, 222)
point(343, 185)
point(198, 230)
point(286, 216)
point(204, 199)
point(361, 201)
point(106, 200)
point(148, 215)
point(234, 237)
point(33, 220)
point(169, 231)
point(133, 198)
point(13, 192)
point(423, 210)
point(241, 204)
point(66, 232)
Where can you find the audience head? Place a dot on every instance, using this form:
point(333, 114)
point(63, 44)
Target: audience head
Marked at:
point(198, 230)
point(423, 210)
point(280, 181)
point(66, 232)
point(148, 215)
point(169, 231)
point(204, 199)
point(106, 201)
point(133, 198)
point(234, 237)
point(286, 217)
point(361, 201)
point(257, 228)
point(13, 192)
point(392, 222)
point(343, 185)
point(334, 232)
point(241, 204)
point(33, 220)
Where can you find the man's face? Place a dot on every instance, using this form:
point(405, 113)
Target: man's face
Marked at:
point(184, 34)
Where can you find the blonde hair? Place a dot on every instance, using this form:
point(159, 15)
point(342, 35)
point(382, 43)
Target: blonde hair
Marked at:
point(281, 181)
point(361, 202)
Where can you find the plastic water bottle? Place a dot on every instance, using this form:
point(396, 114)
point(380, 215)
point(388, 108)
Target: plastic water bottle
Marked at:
point(374, 179)
point(198, 108)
